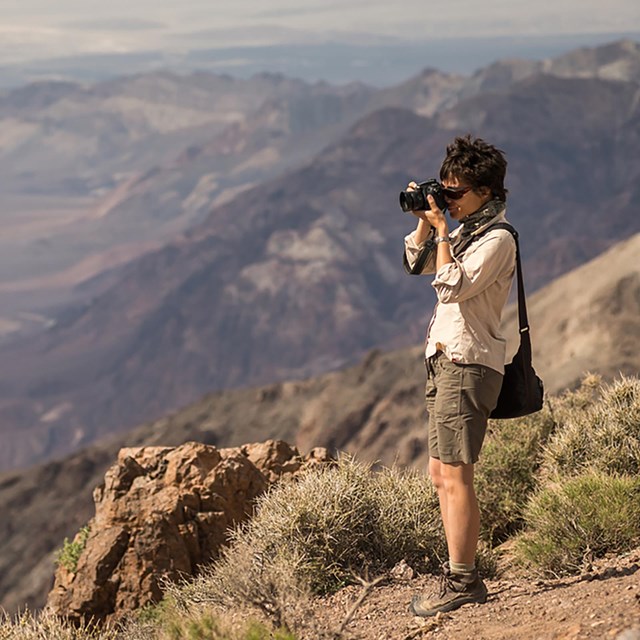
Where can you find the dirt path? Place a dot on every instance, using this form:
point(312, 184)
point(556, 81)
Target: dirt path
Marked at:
point(600, 604)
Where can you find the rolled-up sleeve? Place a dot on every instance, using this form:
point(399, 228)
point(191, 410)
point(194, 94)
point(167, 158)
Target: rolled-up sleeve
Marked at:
point(413, 250)
point(492, 257)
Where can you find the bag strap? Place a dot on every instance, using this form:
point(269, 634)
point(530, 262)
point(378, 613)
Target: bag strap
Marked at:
point(523, 320)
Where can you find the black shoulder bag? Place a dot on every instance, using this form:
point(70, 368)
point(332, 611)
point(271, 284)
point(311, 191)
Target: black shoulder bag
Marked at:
point(522, 390)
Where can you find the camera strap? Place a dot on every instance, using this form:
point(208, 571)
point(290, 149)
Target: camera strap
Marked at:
point(421, 260)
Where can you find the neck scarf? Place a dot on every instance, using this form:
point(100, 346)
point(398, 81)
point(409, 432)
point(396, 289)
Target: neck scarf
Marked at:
point(481, 217)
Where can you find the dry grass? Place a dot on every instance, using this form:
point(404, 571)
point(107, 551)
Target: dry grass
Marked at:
point(168, 622)
point(598, 429)
point(46, 626)
point(506, 474)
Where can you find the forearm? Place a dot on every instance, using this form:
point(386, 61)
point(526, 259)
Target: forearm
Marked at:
point(423, 231)
point(443, 255)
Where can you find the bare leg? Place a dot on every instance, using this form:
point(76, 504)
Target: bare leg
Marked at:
point(458, 508)
point(461, 515)
point(461, 519)
point(437, 480)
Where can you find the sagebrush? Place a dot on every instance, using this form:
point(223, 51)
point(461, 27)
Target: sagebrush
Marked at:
point(320, 532)
point(598, 429)
point(506, 474)
point(586, 517)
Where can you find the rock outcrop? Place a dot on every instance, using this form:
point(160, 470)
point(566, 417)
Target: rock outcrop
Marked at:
point(161, 513)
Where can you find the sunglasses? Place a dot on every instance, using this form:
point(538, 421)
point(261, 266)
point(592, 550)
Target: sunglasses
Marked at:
point(455, 193)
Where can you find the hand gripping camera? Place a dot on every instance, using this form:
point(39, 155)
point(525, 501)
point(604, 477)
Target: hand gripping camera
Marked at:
point(417, 200)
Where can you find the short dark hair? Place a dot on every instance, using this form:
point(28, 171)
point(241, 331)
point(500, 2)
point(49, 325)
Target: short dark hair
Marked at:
point(478, 163)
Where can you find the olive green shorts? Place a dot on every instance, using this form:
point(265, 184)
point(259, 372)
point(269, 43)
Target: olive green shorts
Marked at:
point(459, 399)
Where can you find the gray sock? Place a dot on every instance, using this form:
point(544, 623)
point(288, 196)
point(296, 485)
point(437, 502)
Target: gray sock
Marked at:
point(461, 567)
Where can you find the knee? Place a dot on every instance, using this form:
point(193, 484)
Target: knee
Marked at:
point(435, 473)
point(456, 477)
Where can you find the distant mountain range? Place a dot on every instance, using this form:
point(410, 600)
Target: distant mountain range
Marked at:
point(95, 176)
point(586, 320)
point(301, 273)
point(338, 57)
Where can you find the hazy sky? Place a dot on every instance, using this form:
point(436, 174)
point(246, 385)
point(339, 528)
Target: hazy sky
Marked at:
point(37, 28)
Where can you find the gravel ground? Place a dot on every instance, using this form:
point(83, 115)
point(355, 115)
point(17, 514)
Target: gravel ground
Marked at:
point(601, 603)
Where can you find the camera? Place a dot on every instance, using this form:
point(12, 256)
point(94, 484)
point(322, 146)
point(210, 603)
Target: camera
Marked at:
point(417, 200)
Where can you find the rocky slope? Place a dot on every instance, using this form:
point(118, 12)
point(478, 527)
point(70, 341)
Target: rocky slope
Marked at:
point(68, 228)
point(145, 157)
point(374, 409)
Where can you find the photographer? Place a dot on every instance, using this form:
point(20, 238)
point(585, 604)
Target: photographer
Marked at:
point(465, 351)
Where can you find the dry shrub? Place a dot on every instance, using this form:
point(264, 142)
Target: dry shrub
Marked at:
point(316, 534)
point(46, 626)
point(586, 516)
point(246, 578)
point(598, 428)
point(406, 521)
point(506, 472)
point(171, 620)
point(205, 625)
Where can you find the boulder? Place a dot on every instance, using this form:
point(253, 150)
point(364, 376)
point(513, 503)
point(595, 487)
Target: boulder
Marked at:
point(160, 514)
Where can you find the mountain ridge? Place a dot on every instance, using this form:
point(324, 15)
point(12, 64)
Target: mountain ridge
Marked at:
point(272, 285)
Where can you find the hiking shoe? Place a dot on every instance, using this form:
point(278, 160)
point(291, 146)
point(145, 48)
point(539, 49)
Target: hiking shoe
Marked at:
point(455, 590)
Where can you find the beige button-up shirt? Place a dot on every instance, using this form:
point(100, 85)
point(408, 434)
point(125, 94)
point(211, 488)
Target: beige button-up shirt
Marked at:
point(472, 292)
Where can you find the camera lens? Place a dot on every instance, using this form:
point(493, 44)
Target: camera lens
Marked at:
point(413, 201)
point(405, 200)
